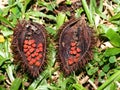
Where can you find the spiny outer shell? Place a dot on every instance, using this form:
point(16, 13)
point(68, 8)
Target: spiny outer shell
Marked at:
point(85, 41)
point(38, 34)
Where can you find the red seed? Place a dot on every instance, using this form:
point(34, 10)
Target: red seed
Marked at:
point(40, 49)
point(40, 56)
point(33, 60)
point(25, 50)
point(26, 42)
point(37, 64)
point(29, 58)
point(31, 63)
point(74, 52)
point(37, 50)
point(31, 50)
point(36, 54)
point(37, 58)
point(77, 55)
point(28, 54)
point(76, 60)
point(72, 44)
point(71, 52)
point(70, 60)
point(25, 46)
point(78, 50)
point(33, 45)
point(72, 48)
point(33, 54)
point(32, 41)
point(29, 47)
point(40, 45)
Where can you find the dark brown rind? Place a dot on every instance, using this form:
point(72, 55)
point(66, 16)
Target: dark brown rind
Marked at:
point(37, 33)
point(75, 30)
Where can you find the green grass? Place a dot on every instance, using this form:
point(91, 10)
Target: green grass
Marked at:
point(103, 71)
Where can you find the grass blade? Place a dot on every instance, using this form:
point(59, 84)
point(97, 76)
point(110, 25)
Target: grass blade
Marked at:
point(4, 20)
point(10, 73)
point(16, 84)
point(110, 80)
point(87, 11)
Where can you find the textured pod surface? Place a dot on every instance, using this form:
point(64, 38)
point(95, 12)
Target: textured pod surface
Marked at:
point(29, 46)
point(75, 45)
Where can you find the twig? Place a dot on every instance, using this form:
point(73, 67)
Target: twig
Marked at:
point(94, 86)
point(84, 80)
point(118, 84)
point(59, 1)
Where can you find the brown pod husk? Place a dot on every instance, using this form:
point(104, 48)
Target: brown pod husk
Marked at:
point(75, 45)
point(29, 47)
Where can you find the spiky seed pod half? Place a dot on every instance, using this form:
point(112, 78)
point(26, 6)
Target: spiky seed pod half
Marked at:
point(76, 44)
point(29, 46)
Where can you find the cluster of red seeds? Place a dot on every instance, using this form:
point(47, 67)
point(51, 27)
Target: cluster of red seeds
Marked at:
point(74, 53)
point(33, 52)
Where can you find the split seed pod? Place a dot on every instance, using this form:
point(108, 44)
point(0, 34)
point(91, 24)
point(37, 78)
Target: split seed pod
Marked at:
point(29, 46)
point(75, 45)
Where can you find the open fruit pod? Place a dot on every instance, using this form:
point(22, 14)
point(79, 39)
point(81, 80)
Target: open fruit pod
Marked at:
point(76, 44)
point(29, 47)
